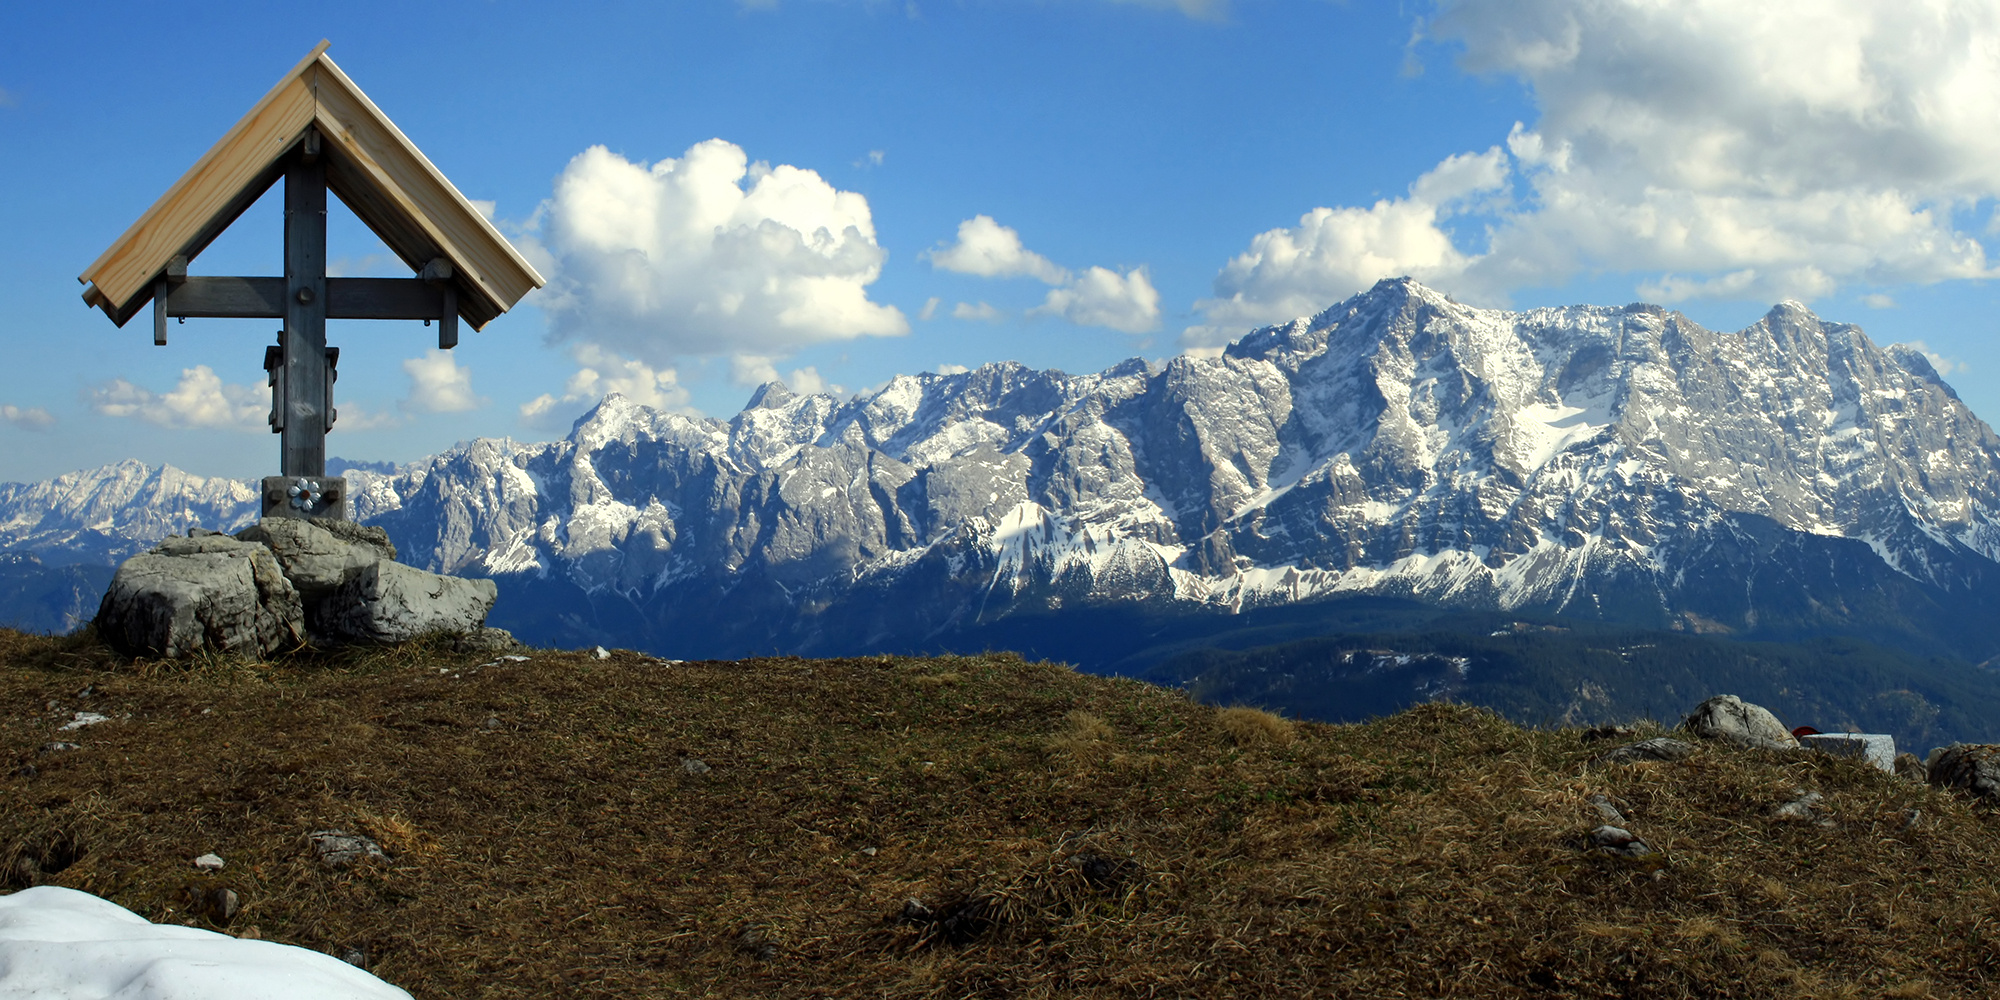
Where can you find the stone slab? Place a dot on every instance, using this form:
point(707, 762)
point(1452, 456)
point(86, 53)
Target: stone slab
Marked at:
point(1878, 749)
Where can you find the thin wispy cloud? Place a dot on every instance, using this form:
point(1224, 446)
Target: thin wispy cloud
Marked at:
point(27, 418)
point(1200, 10)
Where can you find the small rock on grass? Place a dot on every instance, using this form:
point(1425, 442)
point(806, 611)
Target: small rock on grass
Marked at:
point(486, 639)
point(1657, 748)
point(1805, 806)
point(82, 719)
point(1910, 767)
point(1616, 840)
point(1607, 808)
point(338, 848)
point(1731, 719)
point(600, 653)
point(209, 862)
point(693, 766)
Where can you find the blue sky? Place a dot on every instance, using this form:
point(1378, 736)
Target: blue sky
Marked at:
point(834, 193)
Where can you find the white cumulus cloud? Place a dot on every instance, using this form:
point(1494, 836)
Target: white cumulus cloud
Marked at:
point(1759, 151)
point(199, 399)
point(601, 373)
point(1780, 149)
point(439, 385)
point(707, 254)
point(1334, 252)
point(990, 250)
point(1098, 296)
point(1102, 297)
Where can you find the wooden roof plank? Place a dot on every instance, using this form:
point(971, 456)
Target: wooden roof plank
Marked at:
point(174, 223)
point(376, 170)
point(487, 264)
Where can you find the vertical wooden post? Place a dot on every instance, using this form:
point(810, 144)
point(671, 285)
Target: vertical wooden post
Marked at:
point(305, 375)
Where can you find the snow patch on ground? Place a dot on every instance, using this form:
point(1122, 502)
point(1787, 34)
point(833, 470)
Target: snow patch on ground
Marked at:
point(61, 944)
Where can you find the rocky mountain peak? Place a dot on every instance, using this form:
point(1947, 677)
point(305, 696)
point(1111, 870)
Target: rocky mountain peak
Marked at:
point(1618, 462)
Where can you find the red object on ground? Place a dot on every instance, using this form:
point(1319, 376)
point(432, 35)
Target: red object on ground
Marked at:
point(1805, 731)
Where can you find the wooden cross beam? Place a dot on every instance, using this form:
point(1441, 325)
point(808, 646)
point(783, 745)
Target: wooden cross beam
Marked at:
point(301, 365)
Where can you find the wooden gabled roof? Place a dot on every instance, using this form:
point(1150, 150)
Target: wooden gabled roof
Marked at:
point(371, 165)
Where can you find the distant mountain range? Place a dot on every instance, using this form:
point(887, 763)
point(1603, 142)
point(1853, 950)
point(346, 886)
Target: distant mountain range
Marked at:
point(1616, 464)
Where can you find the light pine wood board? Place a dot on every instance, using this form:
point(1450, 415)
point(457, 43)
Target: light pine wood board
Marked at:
point(376, 170)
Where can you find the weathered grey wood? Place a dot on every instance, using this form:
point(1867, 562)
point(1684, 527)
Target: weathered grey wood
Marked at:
point(228, 298)
point(160, 313)
point(274, 370)
point(305, 376)
point(332, 376)
point(382, 298)
point(448, 319)
point(346, 298)
point(438, 272)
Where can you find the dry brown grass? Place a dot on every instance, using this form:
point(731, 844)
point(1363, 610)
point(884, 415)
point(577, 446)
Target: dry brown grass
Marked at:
point(1063, 836)
point(1249, 727)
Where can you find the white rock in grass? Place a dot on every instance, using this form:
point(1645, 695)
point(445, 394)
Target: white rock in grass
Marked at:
point(1731, 719)
point(61, 944)
point(82, 719)
point(209, 862)
point(1878, 749)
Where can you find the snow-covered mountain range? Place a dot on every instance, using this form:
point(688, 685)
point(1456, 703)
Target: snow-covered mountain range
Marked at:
point(1605, 462)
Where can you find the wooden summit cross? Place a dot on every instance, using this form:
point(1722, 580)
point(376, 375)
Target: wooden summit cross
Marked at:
point(317, 130)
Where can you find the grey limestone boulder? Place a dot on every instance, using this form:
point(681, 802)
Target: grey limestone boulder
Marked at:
point(355, 591)
point(1731, 719)
point(207, 592)
point(1973, 767)
point(319, 556)
point(278, 584)
point(389, 602)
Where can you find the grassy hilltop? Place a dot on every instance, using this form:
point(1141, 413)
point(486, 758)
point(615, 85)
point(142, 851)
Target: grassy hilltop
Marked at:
point(960, 826)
